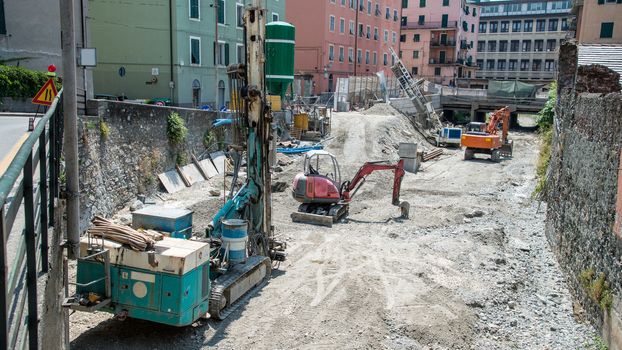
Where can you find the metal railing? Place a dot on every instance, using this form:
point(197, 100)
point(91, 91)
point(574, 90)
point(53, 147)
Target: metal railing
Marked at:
point(27, 198)
point(430, 25)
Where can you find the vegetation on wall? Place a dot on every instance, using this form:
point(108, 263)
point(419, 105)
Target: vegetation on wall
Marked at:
point(545, 129)
point(597, 287)
point(104, 129)
point(176, 129)
point(17, 82)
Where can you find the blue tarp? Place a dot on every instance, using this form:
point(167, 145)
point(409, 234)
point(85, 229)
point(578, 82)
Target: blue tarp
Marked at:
point(286, 150)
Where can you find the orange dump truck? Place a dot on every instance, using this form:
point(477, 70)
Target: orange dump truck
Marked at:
point(484, 138)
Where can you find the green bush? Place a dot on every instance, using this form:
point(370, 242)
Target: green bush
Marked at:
point(545, 123)
point(546, 115)
point(17, 82)
point(176, 129)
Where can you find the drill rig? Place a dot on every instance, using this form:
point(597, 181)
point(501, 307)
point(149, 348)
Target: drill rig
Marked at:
point(177, 281)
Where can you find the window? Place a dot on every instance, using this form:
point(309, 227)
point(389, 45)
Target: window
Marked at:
point(514, 46)
point(195, 9)
point(375, 58)
point(361, 31)
point(416, 54)
point(536, 65)
point(350, 55)
point(472, 28)
point(385, 59)
point(540, 25)
point(421, 19)
point(359, 56)
point(386, 35)
point(444, 19)
point(505, 26)
point(342, 25)
point(492, 46)
point(222, 59)
point(437, 71)
point(404, 4)
point(538, 45)
point(275, 17)
point(516, 26)
point(564, 24)
point(474, 15)
point(341, 53)
point(513, 8)
point(503, 46)
point(368, 32)
point(416, 38)
point(377, 11)
point(331, 52)
point(369, 7)
point(553, 25)
point(481, 46)
point(528, 26)
point(221, 11)
point(351, 4)
point(493, 27)
point(536, 6)
point(239, 10)
point(404, 20)
point(445, 2)
point(351, 27)
point(551, 44)
point(512, 64)
point(606, 30)
point(195, 51)
point(415, 71)
point(331, 23)
point(2, 22)
point(395, 16)
point(394, 37)
point(500, 64)
point(480, 64)
point(403, 38)
point(526, 45)
point(482, 27)
point(549, 65)
point(524, 65)
point(366, 56)
point(241, 54)
point(490, 64)
point(387, 13)
point(375, 33)
point(343, 3)
point(421, 3)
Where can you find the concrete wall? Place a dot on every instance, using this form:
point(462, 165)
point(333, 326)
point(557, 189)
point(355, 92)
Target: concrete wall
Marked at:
point(117, 167)
point(582, 191)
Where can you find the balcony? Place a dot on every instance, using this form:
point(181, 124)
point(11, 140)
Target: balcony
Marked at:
point(430, 25)
point(467, 62)
point(439, 43)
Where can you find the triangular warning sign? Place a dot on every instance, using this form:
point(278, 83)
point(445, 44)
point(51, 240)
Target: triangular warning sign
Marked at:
point(46, 95)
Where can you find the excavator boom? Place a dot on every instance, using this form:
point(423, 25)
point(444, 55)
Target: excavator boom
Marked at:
point(350, 187)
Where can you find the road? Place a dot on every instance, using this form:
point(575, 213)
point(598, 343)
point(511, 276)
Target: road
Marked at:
point(13, 132)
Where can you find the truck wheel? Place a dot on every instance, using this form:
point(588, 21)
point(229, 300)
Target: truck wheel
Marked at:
point(495, 156)
point(468, 154)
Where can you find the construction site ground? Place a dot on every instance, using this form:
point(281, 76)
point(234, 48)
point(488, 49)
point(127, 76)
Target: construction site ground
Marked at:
point(470, 269)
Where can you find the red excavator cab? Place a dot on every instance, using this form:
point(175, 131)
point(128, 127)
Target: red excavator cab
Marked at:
point(320, 182)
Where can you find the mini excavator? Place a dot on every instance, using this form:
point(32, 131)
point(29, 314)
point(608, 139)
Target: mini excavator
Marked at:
point(325, 199)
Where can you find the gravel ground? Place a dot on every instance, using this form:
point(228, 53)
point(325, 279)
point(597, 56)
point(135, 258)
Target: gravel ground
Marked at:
point(471, 268)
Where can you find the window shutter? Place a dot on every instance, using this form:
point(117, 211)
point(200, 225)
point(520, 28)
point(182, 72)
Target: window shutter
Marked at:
point(214, 53)
point(226, 54)
point(601, 2)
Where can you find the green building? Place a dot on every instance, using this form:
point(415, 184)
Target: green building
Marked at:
point(139, 45)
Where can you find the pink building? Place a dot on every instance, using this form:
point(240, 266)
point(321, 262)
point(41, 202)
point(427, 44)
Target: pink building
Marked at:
point(439, 39)
point(330, 44)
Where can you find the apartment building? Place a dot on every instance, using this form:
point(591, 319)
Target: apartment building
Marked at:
point(167, 48)
point(341, 38)
point(598, 21)
point(438, 40)
point(520, 39)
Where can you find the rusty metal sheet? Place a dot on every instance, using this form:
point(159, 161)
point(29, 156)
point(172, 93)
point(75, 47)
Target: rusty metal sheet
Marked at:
point(171, 181)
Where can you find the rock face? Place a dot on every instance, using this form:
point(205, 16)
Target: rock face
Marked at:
point(118, 164)
point(584, 191)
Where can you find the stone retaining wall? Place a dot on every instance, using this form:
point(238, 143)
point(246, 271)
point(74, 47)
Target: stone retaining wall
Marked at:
point(122, 162)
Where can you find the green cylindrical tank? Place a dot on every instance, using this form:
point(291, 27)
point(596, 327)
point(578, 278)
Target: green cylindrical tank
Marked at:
point(280, 43)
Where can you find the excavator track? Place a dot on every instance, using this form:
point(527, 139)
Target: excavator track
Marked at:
point(237, 285)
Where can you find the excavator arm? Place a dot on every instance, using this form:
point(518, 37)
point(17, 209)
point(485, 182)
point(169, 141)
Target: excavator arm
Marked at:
point(349, 188)
point(500, 115)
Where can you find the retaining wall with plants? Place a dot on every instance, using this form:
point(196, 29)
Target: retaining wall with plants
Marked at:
point(125, 146)
point(584, 190)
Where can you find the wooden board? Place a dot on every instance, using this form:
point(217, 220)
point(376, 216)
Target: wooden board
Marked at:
point(313, 219)
point(210, 169)
point(171, 181)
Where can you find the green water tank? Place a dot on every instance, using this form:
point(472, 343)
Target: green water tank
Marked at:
point(280, 43)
